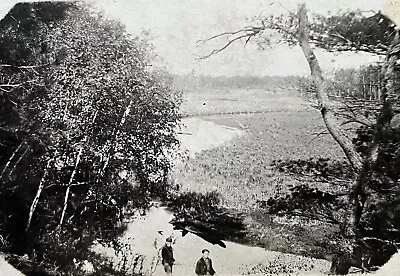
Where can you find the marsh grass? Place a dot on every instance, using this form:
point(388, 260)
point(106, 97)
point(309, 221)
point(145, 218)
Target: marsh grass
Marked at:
point(228, 101)
point(279, 126)
point(241, 170)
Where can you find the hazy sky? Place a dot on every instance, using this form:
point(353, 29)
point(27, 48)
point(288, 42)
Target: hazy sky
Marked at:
point(176, 25)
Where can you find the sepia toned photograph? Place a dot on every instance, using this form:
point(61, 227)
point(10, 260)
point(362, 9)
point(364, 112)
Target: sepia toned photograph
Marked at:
point(199, 137)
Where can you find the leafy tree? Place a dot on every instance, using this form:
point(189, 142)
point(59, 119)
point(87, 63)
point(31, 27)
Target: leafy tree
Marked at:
point(371, 197)
point(87, 126)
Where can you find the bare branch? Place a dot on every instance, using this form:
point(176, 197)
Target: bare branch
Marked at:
point(380, 240)
point(247, 32)
point(341, 37)
point(13, 86)
point(352, 119)
point(319, 134)
point(222, 35)
point(216, 51)
point(22, 66)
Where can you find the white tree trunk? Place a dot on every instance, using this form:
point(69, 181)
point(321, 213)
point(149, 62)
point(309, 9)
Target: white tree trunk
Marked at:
point(10, 159)
point(111, 150)
point(18, 161)
point(67, 192)
point(37, 196)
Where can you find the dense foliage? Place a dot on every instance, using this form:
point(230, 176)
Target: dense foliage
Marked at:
point(87, 126)
point(352, 31)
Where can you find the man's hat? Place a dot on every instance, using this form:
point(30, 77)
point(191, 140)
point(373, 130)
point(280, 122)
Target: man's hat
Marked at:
point(169, 239)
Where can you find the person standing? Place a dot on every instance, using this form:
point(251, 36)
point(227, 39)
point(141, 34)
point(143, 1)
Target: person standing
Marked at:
point(167, 255)
point(204, 265)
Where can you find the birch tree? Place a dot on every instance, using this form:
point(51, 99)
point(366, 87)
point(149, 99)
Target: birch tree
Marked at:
point(84, 104)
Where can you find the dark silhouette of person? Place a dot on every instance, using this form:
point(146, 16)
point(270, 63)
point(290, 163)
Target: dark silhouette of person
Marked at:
point(167, 255)
point(204, 265)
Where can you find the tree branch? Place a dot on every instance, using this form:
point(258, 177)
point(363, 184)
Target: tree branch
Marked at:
point(21, 66)
point(224, 34)
point(216, 51)
point(248, 33)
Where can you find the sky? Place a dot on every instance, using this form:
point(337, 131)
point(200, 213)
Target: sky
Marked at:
point(176, 25)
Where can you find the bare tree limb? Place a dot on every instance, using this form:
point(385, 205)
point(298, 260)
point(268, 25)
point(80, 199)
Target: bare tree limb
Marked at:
point(224, 34)
point(21, 66)
point(248, 33)
point(219, 50)
point(317, 135)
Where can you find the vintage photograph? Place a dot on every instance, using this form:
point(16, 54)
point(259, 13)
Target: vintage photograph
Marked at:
point(199, 137)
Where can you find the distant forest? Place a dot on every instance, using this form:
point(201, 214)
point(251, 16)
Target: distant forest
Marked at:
point(362, 83)
point(192, 82)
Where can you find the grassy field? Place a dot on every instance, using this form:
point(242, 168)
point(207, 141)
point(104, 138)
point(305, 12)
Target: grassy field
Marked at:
point(226, 101)
point(278, 126)
point(240, 169)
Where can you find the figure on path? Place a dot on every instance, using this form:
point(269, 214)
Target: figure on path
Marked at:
point(204, 265)
point(167, 255)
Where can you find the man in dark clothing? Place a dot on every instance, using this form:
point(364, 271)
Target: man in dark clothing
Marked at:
point(167, 255)
point(204, 265)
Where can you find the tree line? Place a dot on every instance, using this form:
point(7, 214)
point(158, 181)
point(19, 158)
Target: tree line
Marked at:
point(193, 81)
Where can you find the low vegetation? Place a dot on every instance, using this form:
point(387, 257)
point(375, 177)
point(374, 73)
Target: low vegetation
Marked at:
point(256, 166)
point(242, 170)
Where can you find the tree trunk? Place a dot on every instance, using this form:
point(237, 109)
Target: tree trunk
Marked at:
point(10, 159)
point(18, 161)
point(388, 98)
point(37, 196)
point(111, 150)
point(78, 158)
point(321, 90)
point(341, 262)
point(358, 197)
